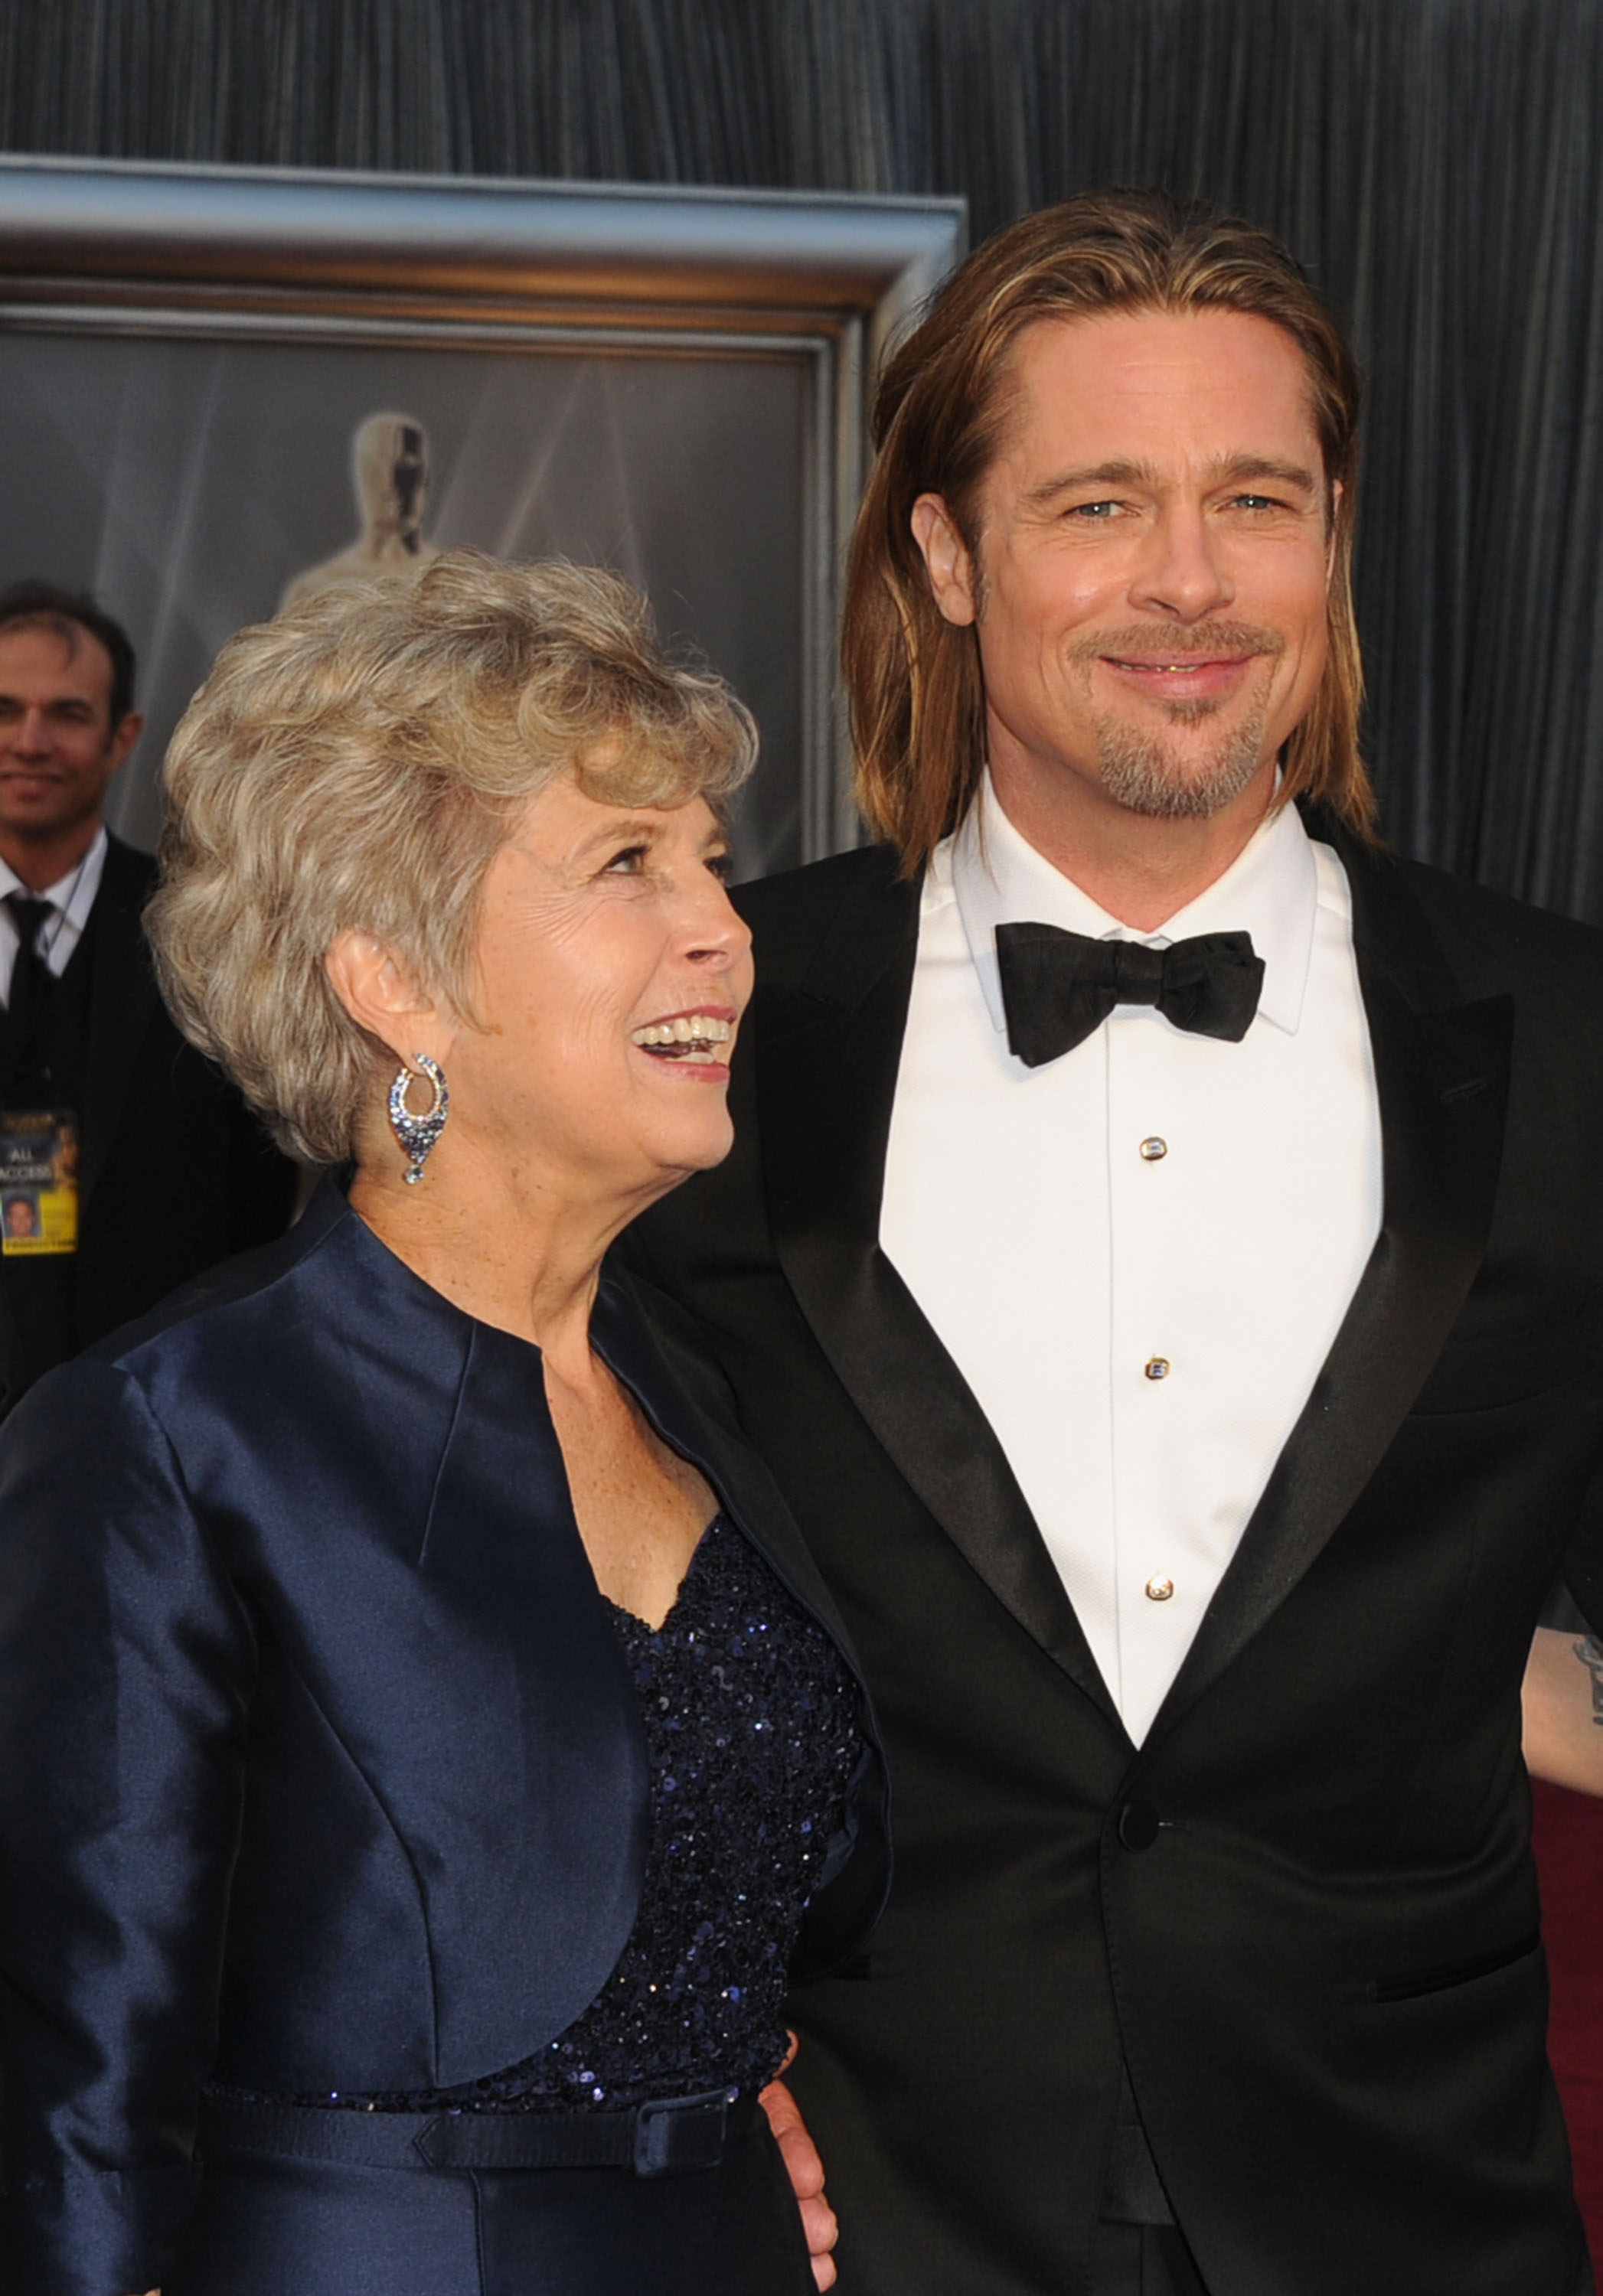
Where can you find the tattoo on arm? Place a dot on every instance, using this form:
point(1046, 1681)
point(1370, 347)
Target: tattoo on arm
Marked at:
point(1590, 1655)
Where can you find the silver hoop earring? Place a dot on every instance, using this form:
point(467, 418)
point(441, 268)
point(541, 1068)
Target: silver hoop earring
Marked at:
point(418, 1133)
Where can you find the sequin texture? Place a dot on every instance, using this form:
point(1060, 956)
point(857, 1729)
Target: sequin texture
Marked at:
point(752, 1736)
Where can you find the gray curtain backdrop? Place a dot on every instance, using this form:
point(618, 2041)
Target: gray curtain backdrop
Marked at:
point(1437, 164)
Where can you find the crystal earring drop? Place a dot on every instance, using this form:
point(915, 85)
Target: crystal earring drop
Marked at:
point(418, 1133)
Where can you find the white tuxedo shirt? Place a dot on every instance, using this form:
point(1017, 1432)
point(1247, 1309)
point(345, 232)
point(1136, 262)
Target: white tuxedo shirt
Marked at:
point(1138, 1255)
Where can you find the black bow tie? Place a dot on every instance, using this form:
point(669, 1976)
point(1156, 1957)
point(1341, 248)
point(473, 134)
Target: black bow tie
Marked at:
point(1057, 986)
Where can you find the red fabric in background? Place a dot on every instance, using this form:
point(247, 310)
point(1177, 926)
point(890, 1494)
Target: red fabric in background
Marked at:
point(1569, 1857)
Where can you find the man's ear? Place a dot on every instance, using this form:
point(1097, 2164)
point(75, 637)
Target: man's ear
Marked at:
point(946, 559)
point(125, 737)
point(383, 1000)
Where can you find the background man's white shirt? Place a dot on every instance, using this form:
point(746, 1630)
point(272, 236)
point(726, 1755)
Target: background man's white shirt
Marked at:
point(1138, 1255)
point(71, 897)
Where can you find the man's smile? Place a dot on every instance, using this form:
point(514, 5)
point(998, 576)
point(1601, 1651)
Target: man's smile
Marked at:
point(1208, 663)
point(1175, 669)
point(1188, 678)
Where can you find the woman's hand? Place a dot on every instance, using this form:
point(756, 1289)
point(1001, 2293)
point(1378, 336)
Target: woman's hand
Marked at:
point(806, 2173)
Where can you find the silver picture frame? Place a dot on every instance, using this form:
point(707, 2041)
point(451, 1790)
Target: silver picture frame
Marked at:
point(172, 337)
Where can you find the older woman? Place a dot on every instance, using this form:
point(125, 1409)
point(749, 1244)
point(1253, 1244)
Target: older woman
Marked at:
point(423, 1729)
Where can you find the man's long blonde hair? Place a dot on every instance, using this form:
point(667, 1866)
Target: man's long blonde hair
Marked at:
point(913, 679)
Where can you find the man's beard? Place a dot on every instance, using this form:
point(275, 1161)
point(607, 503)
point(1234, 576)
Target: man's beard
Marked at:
point(1146, 774)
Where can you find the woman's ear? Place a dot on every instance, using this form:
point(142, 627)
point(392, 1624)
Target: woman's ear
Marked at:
point(383, 1000)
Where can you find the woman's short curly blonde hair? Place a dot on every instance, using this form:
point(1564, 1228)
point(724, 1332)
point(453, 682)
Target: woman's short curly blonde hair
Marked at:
point(357, 764)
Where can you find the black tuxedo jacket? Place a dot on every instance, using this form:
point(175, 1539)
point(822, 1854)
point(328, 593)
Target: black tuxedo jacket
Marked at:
point(175, 1174)
point(1305, 1912)
point(323, 1767)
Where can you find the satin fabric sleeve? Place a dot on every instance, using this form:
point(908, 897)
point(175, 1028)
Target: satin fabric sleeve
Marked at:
point(126, 1660)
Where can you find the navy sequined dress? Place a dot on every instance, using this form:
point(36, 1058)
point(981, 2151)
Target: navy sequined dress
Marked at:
point(752, 1736)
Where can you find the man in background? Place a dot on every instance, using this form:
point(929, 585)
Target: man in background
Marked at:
point(145, 1165)
point(1161, 1262)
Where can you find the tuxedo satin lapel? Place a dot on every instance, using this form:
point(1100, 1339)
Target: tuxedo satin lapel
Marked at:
point(624, 1339)
point(1442, 1079)
point(122, 997)
point(826, 1065)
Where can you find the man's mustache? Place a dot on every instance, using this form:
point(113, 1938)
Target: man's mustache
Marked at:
point(1202, 639)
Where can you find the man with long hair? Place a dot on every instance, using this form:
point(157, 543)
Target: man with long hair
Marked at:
point(1161, 1264)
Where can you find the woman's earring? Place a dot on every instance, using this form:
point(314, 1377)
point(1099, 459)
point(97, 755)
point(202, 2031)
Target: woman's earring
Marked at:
point(418, 1133)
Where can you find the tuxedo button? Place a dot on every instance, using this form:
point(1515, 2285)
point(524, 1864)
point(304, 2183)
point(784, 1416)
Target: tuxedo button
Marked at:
point(1139, 1825)
point(1153, 1150)
point(1157, 1368)
point(1159, 1589)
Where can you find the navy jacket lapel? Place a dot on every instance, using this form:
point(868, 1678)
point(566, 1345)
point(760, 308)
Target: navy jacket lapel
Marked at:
point(517, 1606)
point(826, 1082)
point(1442, 1072)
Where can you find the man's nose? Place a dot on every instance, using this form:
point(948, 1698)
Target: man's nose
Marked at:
point(1182, 571)
point(32, 737)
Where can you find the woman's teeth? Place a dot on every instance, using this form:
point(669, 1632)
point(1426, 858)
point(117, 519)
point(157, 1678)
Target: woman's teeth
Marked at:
point(692, 1036)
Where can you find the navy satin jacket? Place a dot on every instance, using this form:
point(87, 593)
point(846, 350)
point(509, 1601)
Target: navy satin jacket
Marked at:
point(322, 1765)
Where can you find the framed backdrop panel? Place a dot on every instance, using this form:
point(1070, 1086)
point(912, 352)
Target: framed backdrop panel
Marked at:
point(209, 379)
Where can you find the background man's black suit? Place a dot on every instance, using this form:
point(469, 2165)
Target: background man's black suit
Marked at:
point(174, 1173)
point(1304, 1912)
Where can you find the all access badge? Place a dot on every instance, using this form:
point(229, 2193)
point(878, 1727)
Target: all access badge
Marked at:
point(39, 1181)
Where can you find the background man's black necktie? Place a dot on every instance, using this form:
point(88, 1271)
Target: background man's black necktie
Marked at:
point(31, 976)
point(1057, 986)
